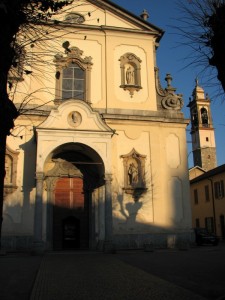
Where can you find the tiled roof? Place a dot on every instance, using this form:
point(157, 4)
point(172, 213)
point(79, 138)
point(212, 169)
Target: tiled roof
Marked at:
point(208, 174)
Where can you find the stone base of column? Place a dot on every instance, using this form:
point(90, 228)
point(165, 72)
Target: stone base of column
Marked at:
point(108, 247)
point(38, 248)
point(100, 245)
point(2, 252)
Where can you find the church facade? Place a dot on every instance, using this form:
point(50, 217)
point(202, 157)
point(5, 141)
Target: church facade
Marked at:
point(98, 157)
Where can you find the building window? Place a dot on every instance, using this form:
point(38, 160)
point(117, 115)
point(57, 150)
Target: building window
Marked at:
point(196, 196)
point(219, 189)
point(207, 198)
point(73, 82)
point(73, 76)
point(197, 223)
point(194, 118)
point(74, 18)
point(209, 224)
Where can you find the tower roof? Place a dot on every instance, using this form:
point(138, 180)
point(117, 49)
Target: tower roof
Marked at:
point(198, 92)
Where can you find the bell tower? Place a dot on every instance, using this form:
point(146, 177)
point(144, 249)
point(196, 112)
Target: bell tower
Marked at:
point(202, 131)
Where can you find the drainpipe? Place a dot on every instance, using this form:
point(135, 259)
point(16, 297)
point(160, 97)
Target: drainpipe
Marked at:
point(213, 201)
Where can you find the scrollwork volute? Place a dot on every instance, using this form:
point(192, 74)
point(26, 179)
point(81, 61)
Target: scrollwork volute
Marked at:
point(168, 99)
point(172, 101)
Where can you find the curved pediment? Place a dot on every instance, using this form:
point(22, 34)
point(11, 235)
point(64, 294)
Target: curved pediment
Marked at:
point(75, 115)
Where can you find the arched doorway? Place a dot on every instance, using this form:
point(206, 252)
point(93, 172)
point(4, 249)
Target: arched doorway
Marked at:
point(70, 215)
point(75, 173)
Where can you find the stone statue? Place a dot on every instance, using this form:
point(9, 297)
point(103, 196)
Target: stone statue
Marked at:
point(132, 174)
point(130, 75)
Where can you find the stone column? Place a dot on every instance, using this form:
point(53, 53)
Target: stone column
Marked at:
point(108, 247)
point(50, 183)
point(38, 243)
point(101, 217)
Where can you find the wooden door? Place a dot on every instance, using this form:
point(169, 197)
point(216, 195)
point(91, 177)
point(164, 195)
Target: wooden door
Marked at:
point(70, 215)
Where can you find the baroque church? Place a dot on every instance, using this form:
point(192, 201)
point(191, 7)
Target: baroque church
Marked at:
point(98, 156)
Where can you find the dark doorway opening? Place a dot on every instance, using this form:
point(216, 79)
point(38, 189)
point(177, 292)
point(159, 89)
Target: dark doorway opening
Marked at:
point(78, 170)
point(70, 215)
point(71, 233)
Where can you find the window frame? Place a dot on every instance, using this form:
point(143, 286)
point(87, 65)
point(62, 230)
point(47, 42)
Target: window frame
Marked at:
point(219, 189)
point(74, 79)
point(73, 56)
point(207, 195)
point(195, 196)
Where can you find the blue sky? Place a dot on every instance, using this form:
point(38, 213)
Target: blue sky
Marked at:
point(171, 59)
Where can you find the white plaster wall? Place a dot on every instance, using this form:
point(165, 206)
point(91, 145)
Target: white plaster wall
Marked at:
point(97, 16)
point(166, 204)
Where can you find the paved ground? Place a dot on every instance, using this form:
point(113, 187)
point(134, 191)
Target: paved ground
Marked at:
point(162, 274)
point(17, 275)
point(200, 270)
point(102, 277)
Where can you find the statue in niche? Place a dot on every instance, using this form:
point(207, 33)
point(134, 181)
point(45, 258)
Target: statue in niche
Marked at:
point(130, 76)
point(132, 174)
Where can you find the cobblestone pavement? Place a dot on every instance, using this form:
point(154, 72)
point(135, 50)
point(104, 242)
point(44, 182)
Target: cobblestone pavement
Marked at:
point(17, 275)
point(200, 269)
point(80, 276)
point(162, 274)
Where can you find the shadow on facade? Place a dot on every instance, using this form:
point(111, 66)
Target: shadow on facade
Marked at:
point(137, 219)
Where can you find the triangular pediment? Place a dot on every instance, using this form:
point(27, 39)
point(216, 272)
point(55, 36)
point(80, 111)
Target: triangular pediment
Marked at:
point(106, 14)
point(75, 115)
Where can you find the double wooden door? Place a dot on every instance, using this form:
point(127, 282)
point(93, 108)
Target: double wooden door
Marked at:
point(70, 215)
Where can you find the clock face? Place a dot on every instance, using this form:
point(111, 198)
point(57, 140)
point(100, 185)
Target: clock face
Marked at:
point(74, 18)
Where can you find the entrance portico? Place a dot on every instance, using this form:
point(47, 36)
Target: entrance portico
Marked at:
point(73, 206)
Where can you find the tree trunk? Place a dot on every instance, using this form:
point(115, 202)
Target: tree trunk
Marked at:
point(2, 174)
point(8, 113)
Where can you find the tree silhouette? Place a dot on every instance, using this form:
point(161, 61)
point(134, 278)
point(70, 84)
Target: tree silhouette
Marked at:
point(22, 23)
point(202, 28)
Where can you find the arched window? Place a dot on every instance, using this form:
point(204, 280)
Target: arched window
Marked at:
point(73, 82)
point(73, 76)
point(204, 117)
point(194, 118)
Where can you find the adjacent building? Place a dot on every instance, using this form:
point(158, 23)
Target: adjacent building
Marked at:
point(206, 179)
point(208, 200)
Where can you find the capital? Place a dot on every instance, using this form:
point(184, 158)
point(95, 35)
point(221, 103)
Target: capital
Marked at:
point(40, 176)
point(108, 177)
